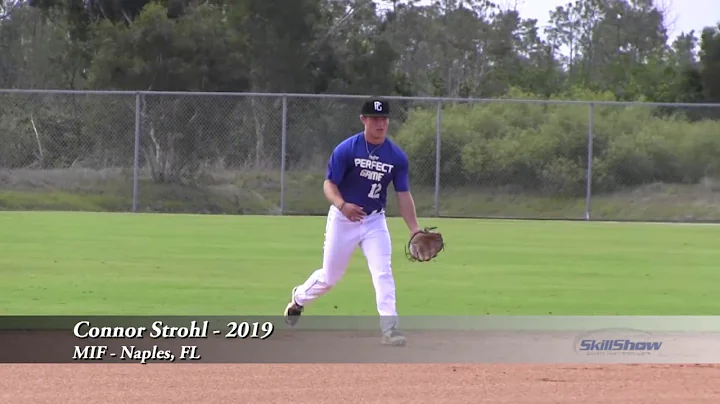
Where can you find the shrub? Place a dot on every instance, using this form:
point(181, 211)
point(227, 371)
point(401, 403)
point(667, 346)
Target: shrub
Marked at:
point(543, 147)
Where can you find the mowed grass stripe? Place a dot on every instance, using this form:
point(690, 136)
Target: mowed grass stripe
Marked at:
point(95, 263)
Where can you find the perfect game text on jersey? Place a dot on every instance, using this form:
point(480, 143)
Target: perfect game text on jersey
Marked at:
point(363, 171)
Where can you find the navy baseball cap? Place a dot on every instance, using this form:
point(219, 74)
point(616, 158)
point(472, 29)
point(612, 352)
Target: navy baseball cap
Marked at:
point(375, 107)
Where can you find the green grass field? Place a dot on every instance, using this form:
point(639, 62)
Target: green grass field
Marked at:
point(98, 263)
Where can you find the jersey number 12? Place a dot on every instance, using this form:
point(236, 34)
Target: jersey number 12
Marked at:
point(375, 191)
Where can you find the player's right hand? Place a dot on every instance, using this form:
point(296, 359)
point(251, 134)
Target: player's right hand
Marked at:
point(353, 212)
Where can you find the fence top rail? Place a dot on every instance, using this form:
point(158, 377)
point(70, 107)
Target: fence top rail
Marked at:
point(355, 96)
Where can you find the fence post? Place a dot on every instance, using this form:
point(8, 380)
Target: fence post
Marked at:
point(437, 158)
point(283, 146)
point(136, 158)
point(588, 183)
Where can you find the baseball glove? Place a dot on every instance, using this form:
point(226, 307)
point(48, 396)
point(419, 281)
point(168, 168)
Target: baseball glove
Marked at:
point(425, 245)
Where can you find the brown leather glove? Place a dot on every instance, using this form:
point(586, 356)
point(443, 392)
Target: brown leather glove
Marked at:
point(425, 245)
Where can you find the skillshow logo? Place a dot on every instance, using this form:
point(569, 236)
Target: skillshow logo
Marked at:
point(617, 342)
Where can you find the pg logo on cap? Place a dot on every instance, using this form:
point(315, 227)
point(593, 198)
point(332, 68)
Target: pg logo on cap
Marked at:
point(375, 107)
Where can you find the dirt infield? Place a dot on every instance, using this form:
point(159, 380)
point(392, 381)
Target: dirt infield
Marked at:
point(366, 383)
point(342, 383)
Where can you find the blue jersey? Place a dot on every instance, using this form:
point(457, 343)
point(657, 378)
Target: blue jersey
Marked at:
point(363, 171)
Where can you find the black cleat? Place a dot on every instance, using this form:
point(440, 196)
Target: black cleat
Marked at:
point(293, 311)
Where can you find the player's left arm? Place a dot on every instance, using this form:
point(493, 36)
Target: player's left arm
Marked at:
point(406, 203)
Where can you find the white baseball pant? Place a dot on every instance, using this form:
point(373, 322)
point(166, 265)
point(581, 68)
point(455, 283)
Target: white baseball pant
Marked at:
point(342, 237)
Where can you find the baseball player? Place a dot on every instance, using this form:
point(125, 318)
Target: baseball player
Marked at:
point(359, 172)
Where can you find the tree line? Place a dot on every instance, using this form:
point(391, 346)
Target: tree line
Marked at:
point(449, 48)
point(591, 49)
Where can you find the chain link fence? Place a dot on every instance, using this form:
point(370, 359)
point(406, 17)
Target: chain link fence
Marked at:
point(267, 154)
point(66, 151)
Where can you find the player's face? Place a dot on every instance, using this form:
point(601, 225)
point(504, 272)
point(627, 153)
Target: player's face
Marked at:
point(375, 126)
